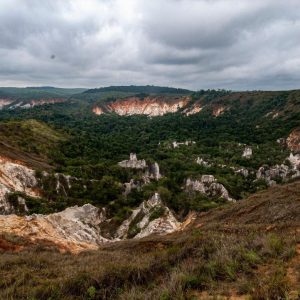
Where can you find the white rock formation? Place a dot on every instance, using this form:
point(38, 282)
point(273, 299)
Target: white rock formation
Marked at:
point(74, 229)
point(154, 172)
point(186, 143)
point(271, 174)
point(247, 152)
point(5, 102)
point(218, 110)
point(141, 219)
point(294, 160)
point(132, 184)
point(193, 110)
point(78, 228)
point(208, 186)
point(243, 171)
point(133, 162)
point(202, 162)
point(15, 177)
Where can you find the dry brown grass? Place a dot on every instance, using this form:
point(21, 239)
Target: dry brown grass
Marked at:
point(245, 250)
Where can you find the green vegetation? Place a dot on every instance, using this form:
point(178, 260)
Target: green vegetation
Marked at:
point(34, 93)
point(31, 136)
point(249, 249)
point(156, 213)
point(148, 89)
point(70, 138)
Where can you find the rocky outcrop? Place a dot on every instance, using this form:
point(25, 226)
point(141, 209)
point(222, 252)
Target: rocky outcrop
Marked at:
point(218, 110)
point(247, 153)
point(293, 141)
point(185, 143)
point(202, 162)
point(97, 110)
point(5, 102)
point(132, 184)
point(294, 161)
point(208, 186)
point(151, 217)
point(74, 229)
point(273, 114)
point(40, 102)
point(133, 162)
point(242, 171)
point(273, 173)
point(196, 108)
point(283, 172)
point(15, 177)
point(151, 170)
point(80, 228)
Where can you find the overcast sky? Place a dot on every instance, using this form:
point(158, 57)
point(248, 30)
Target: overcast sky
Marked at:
point(233, 44)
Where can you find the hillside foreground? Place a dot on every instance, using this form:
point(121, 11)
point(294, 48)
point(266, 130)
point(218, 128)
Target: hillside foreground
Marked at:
point(245, 250)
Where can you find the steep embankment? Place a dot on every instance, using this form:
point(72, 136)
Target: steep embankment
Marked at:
point(30, 141)
point(151, 106)
point(265, 105)
point(276, 207)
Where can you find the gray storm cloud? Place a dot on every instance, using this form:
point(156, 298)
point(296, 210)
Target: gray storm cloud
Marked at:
point(188, 43)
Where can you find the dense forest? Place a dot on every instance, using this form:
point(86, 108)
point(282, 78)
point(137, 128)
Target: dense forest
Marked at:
point(89, 147)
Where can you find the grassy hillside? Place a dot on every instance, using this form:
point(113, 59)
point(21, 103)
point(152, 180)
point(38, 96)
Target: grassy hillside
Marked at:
point(29, 140)
point(33, 93)
point(248, 250)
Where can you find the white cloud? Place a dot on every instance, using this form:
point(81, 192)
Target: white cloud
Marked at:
point(189, 43)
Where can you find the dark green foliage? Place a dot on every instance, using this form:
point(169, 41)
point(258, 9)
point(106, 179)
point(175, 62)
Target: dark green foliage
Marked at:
point(149, 89)
point(156, 213)
point(86, 146)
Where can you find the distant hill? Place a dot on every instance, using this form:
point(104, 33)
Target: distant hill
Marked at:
point(30, 93)
point(148, 89)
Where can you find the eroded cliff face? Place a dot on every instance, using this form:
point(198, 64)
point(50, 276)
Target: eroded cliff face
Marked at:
point(97, 110)
point(5, 102)
point(158, 106)
point(196, 108)
point(80, 228)
point(74, 229)
point(218, 110)
point(39, 102)
point(13, 104)
point(150, 106)
point(293, 141)
point(15, 177)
